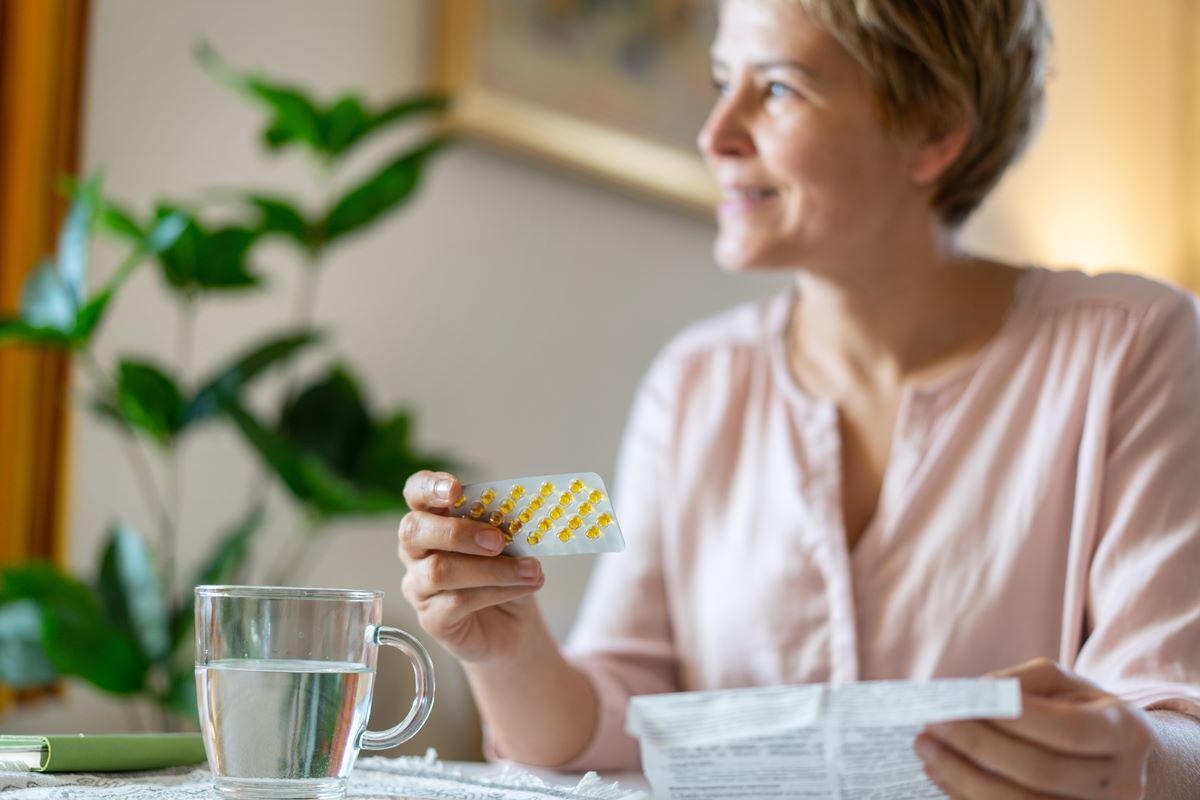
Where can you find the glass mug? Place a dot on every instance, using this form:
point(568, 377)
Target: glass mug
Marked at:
point(284, 679)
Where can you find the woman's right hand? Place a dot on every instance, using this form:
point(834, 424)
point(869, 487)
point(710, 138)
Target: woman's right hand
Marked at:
point(473, 600)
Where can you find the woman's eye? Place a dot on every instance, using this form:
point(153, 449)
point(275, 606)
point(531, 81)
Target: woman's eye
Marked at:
point(721, 86)
point(777, 89)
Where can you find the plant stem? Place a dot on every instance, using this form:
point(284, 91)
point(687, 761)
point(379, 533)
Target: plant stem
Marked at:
point(142, 469)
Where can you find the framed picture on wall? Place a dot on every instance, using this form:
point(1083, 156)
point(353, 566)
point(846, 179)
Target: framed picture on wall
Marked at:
point(616, 90)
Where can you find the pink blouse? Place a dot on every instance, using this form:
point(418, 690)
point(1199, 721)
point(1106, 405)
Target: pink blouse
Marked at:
point(1044, 500)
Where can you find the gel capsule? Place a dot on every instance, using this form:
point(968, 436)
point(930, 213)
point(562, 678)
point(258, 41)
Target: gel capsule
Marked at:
point(525, 515)
point(462, 498)
point(476, 510)
point(555, 512)
point(514, 526)
point(575, 486)
point(593, 532)
point(516, 492)
point(574, 522)
point(506, 506)
point(533, 538)
point(564, 535)
point(546, 489)
point(584, 509)
point(565, 499)
point(544, 525)
point(495, 518)
point(595, 497)
point(487, 497)
point(535, 503)
point(604, 520)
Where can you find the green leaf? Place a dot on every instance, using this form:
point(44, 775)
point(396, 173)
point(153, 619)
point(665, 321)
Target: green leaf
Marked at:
point(131, 592)
point(380, 193)
point(344, 123)
point(231, 379)
point(294, 117)
point(328, 419)
point(77, 635)
point(23, 660)
point(278, 216)
point(389, 457)
point(120, 222)
point(200, 259)
point(93, 649)
point(48, 301)
point(149, 401)
point(408, 107)
point(75, 237)
point(225, 565)
point(305, 475)
point(16, 331)
point(164, 234)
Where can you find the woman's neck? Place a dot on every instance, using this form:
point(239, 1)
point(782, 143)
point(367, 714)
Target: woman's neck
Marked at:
point(895, 321)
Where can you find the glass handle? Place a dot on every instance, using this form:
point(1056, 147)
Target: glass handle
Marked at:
point(422, 703)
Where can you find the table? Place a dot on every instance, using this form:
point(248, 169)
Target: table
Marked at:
point(374, 778)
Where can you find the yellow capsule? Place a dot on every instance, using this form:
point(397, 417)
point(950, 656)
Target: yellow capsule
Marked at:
point(544, 525)
point(576, 485)
point(462, 498)
point(564, 535)
point(516, 492)
point(535, 503)
point(533, 538)
point(508, 538)
point(555, 512)
point(514, 526)
point(584, 509)
point(476, 510)
point(546, 489)
point(565, 499)
point(506, 506)
point(595, 496)
point(525, 515)
point(495, 518)
point(604, 520)
point(574, 522)
point(487, 497)
point(593, 532)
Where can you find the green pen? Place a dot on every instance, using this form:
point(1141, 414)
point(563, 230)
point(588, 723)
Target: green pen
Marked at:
point(100, 752)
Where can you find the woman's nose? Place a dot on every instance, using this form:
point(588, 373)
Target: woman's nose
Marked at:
point(725, 133)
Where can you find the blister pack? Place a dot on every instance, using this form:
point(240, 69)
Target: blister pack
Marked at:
point(546, 515)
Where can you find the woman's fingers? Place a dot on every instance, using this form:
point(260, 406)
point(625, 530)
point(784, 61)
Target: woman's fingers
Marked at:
point(431, 491)
point(448, 572)
point(422, 533)
point(442, 613)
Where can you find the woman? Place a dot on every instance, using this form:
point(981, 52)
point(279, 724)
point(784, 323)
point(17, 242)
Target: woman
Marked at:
point(917, 463)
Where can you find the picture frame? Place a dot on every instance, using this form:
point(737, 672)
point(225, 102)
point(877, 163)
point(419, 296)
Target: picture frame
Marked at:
point(514, 117)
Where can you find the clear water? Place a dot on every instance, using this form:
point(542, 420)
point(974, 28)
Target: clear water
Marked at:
point(283, 728)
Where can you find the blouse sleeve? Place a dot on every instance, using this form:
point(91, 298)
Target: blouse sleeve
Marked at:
point(1143, 598)
point(622, 638)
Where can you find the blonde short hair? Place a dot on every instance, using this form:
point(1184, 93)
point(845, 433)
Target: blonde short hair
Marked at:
point(930, 61)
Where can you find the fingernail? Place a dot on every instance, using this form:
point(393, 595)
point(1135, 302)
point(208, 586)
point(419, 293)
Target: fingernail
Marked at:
point(442, 488)
point(925, 748)
point(528, 568)
point(488, 540)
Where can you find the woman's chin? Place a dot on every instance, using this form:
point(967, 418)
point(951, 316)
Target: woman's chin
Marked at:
point(738, 258)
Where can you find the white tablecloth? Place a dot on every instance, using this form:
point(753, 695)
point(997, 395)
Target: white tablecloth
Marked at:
point(374, 778)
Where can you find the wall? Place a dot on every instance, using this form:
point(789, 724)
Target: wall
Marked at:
point(426, 305)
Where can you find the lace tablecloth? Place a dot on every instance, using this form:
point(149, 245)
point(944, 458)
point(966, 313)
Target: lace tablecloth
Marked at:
point(373, 778)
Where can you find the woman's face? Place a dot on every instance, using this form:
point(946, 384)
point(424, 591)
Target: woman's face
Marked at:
point(809, 177)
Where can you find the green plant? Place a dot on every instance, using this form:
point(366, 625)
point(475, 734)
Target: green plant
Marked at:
point(127, 629)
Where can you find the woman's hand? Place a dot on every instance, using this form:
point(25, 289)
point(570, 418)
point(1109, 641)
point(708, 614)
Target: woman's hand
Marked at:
point(1072, 740)
point(467, 596)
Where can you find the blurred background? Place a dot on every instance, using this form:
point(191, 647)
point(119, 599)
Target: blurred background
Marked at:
point(510, 305)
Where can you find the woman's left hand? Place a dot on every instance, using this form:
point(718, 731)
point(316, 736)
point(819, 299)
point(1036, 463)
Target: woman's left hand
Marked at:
point(1072, 740)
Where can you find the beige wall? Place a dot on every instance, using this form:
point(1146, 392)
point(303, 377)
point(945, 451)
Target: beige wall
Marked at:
point(417, 300)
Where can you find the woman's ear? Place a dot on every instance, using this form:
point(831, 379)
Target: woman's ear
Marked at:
point(943, 143)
